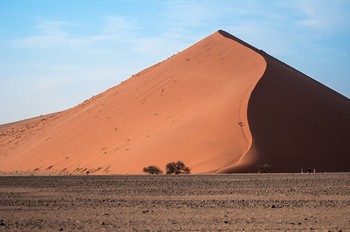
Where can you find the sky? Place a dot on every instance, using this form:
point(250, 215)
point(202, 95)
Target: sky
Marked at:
point(55, 54)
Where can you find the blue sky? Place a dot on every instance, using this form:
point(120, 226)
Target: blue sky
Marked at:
point(57, 53)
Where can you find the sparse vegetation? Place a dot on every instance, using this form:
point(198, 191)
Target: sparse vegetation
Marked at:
point(177, 168)
point(171, 168)
point(264, 168)
point(153, 170)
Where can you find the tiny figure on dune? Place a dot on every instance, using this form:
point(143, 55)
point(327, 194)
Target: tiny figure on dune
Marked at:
point(302, 170)
point(309, 171)
point(314, 170)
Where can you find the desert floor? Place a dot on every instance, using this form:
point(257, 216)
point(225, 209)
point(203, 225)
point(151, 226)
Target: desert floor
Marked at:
point(251, 202)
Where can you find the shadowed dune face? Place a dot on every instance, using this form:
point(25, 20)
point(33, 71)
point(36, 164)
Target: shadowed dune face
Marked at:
point(191, 107)
point(297, 122)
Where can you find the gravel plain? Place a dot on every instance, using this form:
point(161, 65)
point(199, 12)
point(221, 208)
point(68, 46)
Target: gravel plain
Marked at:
point(233, 202)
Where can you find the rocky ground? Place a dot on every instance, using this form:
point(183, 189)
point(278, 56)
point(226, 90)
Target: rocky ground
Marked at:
point(251, 202)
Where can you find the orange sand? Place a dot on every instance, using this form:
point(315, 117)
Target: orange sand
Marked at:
point(192, 107)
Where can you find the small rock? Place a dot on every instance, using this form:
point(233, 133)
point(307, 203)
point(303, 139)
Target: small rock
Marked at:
point(226, 222)
point(103, 223)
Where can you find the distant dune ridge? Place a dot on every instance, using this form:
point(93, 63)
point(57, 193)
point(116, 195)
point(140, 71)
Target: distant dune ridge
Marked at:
point(220, 106)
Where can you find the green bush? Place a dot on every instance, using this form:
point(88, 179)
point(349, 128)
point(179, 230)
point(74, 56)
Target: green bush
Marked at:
point(177, 168)
point(154, 170)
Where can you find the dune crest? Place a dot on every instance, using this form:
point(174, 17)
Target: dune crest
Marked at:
point(220, 106)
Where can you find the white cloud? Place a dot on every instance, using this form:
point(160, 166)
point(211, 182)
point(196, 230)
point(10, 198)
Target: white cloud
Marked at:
point(321, 15)
point(181, 17)
point(51, 33)
point(54, 67)
point(56, 33)
point(53, 27)
point(116, 25)
point(187, 13)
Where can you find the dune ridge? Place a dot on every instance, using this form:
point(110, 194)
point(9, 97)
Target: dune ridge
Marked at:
point(220, 106)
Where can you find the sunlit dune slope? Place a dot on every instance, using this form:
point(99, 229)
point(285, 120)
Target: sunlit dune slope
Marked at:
point(191, 107)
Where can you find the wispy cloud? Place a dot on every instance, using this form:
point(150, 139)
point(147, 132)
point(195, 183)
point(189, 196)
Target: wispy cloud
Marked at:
point(56, 33)
point(321, 15)
point(180, 17)
point(187, 13)
point(50, 33)
point(116, 25)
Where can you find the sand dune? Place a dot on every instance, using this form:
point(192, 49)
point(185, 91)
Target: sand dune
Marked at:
point(220, 106)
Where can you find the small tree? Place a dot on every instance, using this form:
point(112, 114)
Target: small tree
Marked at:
point(154, 170)
point(264, 168)
point(177, 168)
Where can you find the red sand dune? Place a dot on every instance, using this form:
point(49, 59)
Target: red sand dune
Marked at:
point(219, 106)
